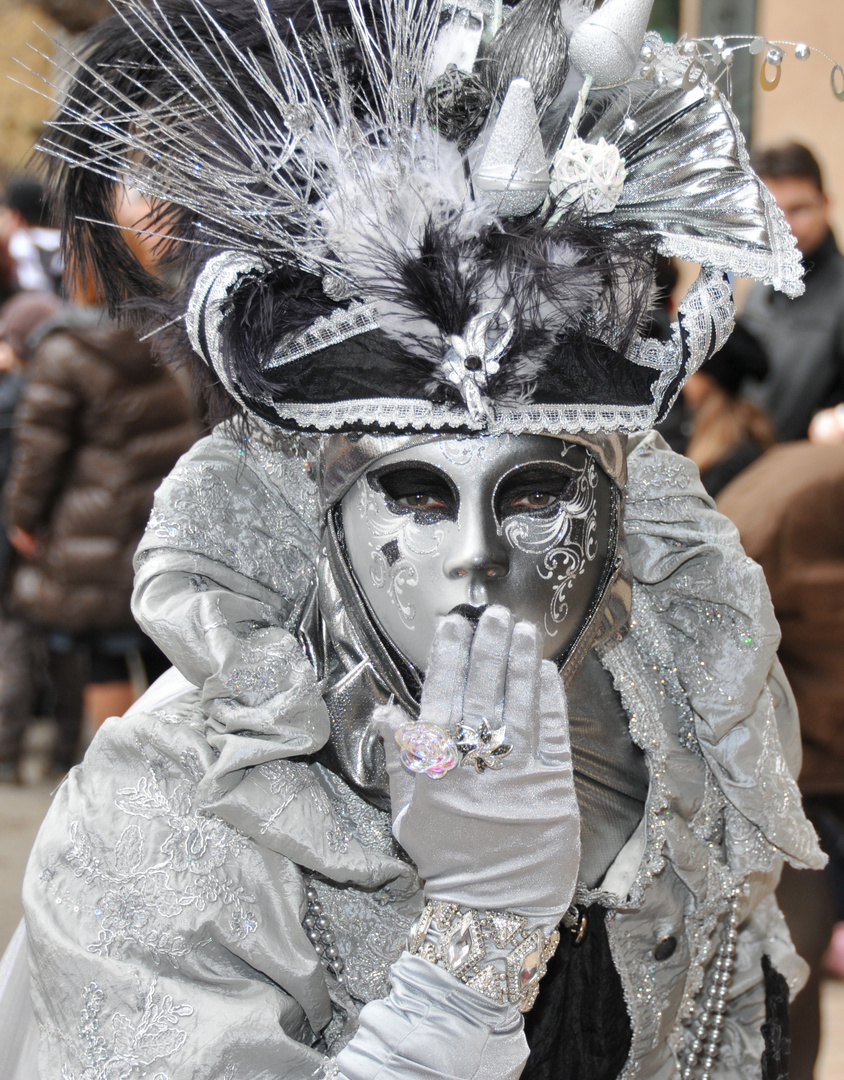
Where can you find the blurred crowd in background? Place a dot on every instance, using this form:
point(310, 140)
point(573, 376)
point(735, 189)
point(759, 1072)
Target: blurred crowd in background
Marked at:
point(91, 420)
point(90, 424)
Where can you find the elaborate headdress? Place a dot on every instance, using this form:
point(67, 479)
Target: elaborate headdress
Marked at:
point(422, 215)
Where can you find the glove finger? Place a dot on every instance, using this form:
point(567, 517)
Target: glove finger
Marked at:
point(521, 690)
point(445, 678)
point(487, 675)
point(553, 746)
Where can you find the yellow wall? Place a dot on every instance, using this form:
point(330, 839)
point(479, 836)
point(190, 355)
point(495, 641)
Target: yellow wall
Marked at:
point(803, 107)
point(22, 112)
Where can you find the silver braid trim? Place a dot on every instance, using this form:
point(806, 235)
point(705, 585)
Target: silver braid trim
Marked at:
point(707, 317)
point(215, 282)
point(340, 326)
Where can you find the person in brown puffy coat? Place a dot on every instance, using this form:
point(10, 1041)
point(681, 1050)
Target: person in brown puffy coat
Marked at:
point(21, 657)
point(789, 509)
point(99, 426)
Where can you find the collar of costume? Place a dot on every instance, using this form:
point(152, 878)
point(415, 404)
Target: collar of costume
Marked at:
point(422, 216)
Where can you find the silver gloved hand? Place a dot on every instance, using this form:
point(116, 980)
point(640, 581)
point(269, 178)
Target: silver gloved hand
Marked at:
point(506, 837)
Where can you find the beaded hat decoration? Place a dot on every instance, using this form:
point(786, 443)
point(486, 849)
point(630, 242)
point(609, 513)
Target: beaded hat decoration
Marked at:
point(407, 215)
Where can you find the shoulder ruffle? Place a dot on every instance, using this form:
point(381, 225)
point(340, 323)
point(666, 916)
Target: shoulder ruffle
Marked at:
point(703, 619)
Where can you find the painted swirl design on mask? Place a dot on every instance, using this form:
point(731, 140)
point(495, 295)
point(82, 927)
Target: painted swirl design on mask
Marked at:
point(397, 538)
point(567, 540)
point(395, 578)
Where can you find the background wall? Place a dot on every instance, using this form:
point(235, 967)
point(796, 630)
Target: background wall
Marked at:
point(803, 107)
point(22, 112)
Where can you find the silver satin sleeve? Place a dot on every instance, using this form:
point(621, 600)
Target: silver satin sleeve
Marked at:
point(431, 1025)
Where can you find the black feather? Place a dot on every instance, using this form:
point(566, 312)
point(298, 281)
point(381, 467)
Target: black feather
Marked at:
point(573, 319)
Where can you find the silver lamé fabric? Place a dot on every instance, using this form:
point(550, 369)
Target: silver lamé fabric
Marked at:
point(690, 184)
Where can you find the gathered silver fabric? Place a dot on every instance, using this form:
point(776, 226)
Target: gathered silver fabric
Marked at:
point(719, 637)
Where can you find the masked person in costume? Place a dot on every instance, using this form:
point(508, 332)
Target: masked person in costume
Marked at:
point(471, 680)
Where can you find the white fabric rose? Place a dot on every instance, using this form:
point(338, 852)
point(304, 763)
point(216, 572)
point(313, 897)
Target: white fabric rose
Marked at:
point(590, 173)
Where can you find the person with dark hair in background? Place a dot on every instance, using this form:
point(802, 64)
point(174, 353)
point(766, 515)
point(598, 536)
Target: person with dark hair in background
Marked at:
point(726, 433)
point(32, 245)
point(804, 338)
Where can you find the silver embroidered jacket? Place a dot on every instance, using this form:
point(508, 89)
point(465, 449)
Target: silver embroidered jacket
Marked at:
point(168, 889)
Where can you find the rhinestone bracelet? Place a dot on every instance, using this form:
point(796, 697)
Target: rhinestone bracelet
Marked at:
point(494, 952)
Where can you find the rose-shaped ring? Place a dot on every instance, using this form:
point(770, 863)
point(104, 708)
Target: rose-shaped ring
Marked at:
point(427, 748)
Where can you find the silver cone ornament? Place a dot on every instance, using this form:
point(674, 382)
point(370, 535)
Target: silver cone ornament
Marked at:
point(605, 47)
point(514, 169)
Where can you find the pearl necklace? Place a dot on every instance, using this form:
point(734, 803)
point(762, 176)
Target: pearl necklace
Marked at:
point(318, 928)
point(707, 1032)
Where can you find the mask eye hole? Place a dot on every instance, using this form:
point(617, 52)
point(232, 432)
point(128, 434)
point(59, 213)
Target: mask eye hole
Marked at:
point(416, 489)
point(535, 490)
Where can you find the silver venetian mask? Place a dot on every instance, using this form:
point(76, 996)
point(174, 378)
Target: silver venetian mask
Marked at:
point(526, 521)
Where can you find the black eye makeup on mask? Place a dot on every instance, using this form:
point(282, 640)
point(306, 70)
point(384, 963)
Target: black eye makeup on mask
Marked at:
point(416, 488)
point(533, 489)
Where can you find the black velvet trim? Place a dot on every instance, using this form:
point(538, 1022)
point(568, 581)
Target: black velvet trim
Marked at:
point(579, 1028)
point(776, 1031)
point(550, 278)
point(371, 366)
